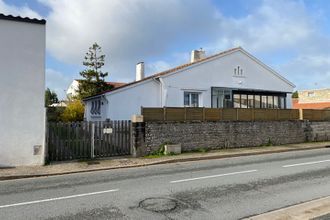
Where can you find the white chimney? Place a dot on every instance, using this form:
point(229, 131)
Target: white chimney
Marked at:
point(197, 55)
point(139, 71)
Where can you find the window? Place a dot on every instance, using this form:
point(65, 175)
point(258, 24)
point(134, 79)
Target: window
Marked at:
point(263, 101)
point(250, 101)
point(96, 108)
point(270, 102)
point(191, 99)
point(237, 101)
point(221, 98)
point(257, 101)
point(282, 102)
point(276, 102)
point(244, 101)
point(310, 94)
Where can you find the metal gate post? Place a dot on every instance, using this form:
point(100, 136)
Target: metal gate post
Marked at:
point(92, 140)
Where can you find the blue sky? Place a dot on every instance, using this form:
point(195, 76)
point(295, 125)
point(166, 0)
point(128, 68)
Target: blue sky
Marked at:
point(291, 36)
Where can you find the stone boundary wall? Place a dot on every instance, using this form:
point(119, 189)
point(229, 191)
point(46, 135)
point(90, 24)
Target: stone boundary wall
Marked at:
point(149, 136)
point(319, 130)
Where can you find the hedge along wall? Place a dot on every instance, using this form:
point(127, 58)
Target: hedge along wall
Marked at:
point(229, 134)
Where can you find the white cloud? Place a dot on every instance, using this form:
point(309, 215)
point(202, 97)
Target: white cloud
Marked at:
point(24, 11)
point(162, 33)
point(272, 26)
point(311, 71)
point(129, 31)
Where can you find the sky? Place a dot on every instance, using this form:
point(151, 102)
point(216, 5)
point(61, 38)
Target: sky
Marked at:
point(290, 36)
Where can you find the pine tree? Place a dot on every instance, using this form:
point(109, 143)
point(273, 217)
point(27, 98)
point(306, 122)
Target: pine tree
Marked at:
point(50, 97)
point(93, 82)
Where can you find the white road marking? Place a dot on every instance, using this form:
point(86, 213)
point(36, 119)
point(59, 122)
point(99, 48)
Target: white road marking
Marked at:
point(307, 163)
point(213, 176)
point(58, 198)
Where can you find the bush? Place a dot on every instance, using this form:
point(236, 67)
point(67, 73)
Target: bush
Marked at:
point(54, 113)
point(73, 112)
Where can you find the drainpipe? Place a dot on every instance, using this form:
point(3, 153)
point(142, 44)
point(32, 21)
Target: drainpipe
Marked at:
point(163, 92)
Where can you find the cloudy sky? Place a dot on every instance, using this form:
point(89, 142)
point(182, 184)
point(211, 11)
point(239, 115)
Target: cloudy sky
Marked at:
point(291, 36)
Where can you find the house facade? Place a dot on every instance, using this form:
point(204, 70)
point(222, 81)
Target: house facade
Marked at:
point(312, 99)
point(22, 91)
point(230, 79)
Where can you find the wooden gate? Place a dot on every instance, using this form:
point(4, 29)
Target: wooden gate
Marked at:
point(84, 140)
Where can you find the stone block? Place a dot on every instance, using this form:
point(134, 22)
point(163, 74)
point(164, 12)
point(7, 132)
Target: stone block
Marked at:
point(172, 148)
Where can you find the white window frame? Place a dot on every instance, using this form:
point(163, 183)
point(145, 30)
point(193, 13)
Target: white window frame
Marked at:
point(190, 92)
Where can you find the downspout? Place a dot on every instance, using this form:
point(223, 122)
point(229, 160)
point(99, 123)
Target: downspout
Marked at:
point(163, 92)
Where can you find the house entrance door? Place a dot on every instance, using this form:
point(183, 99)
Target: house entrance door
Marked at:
point(221, 98)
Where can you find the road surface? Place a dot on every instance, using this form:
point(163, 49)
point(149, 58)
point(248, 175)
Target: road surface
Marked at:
point(230, 188)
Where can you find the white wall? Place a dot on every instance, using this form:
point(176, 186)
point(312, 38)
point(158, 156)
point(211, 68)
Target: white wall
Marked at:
point(219, 72)
point(22, 89)
point(124, 103)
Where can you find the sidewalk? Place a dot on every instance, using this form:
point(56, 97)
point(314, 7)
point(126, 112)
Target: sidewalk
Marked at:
point(115, 163)
point(318, 209)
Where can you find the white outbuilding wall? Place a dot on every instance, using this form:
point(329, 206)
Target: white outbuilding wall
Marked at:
point(123, 103)
point(22, 89)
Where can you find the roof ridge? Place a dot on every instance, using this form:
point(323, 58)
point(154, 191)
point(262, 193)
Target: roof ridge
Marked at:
point(186, 65)
point(22, 19)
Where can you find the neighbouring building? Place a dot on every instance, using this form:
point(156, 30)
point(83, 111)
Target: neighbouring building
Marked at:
point(22, 91)
point(312, 99)
point(230, 79)
point(72, 91)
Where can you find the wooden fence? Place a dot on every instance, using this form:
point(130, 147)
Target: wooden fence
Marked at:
point(230, 114)
point(315, 115)
point(83, 140)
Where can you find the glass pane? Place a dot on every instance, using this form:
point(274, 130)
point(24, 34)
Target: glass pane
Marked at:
point(250, 101)
point(281, 102)
point(263, 101)
point(214, 101)
point(220, 100)
point(186, 99)
point(244, 101)
point(237, 102)
point(194, 99)
point(257, 101)
point(227, 99)
point(270, 102)
point(275, 101)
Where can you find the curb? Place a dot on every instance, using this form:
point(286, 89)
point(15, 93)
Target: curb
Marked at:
point(313, 209)
point(212, 157)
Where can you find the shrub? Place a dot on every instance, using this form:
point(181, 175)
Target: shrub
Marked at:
point(73, 112)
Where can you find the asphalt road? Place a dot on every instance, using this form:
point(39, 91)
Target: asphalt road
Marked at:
point(230, 188)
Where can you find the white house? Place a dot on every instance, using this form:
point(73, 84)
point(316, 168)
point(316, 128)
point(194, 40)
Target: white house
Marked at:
point(230, 79)
point(22, 91)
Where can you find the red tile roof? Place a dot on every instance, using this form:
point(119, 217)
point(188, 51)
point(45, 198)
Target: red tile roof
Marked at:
point(313, 105)
point(116, 84)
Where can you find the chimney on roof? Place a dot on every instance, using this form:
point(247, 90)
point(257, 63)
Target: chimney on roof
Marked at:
point(139, 71)
point(197, 55)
